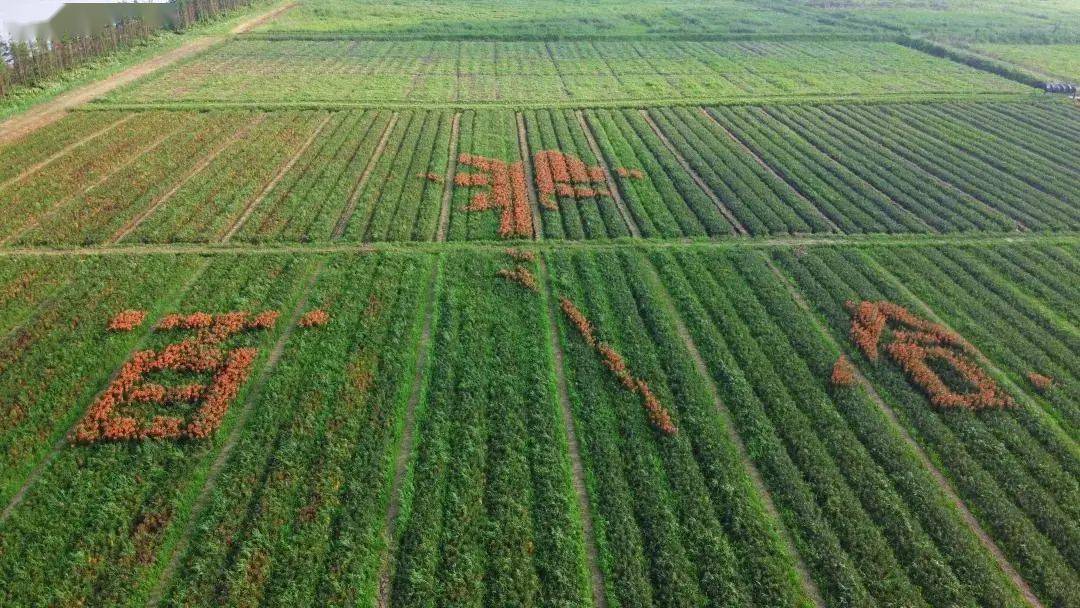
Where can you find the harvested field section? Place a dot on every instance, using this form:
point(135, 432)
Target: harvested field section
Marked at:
point(660, 195)
point(121, 502)
point(676, 514)
point(491, 198)
point(57, 353)
point(300, 504)
point(1015, 467)
point(576, 201)
point(489, 515)
point(403, 194)
point(205, 207)
point(866, 517)
point(252, 70)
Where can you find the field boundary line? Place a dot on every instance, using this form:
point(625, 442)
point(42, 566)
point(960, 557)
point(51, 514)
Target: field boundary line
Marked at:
point(225, 451)
point(943, 482)
point(558, 71)
point(808, 584)
point(54, 450)
point(767, 167)
point(199, 167)
point(35, 220)
point(577, 469)
point(448, 180)
point(280, 175)
point(613, 187)
point(720, 206)
point(983, 360)
point(65, 151)
point(405, 448)
point(358, 189)
point(530, 183)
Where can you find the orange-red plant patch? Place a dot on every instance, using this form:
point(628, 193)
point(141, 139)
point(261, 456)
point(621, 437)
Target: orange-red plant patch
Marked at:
point(915, 344)
point(509, 192)
point(659, 416)
point(520, 255)
point(1040, 382)
point(843, 373)
point(567, 176)
point(314, 318)
point(198, 354)
point(520, 275)
point(127, 320)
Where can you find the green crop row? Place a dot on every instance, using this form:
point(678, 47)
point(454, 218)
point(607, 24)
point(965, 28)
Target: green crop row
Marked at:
point(1015, 468)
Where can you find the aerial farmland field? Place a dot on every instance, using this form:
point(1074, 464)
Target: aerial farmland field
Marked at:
point(548, 304)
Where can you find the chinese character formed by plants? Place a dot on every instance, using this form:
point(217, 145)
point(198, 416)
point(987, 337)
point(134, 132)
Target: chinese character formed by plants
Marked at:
point(199, 356)
point(935, 358)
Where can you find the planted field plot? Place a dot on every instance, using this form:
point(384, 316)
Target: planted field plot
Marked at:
point(1057, 60)
point(1014, 464)
point(534, 73)
point(543, 19)
point(919, 167)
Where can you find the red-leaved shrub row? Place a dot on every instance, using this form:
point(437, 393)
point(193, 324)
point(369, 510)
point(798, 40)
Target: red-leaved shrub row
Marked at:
point(127, 320)
point(199, 354)
point(557, 173)
point(520, 275)
point(914, 344)
point(1040, 382)
point(658, 414)
point(521, 255)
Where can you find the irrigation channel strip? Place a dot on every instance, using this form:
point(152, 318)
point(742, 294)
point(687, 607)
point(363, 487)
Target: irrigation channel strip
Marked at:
point(65, 151)
point(35, 220)
point(764, 165)
point(530, 185)
point(358, 189)
point(226, 449)
point(596, 578)
point(808, 583)
point(985, 361)
point(62, 440)
point(255, 202)
point(198, 168)
point(943, 482)
point(720, 206)
point(448, 180)
point(613, 187)
point(405, 449)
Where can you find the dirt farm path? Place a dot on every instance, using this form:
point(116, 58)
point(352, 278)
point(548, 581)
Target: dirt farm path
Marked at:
point(50, 111)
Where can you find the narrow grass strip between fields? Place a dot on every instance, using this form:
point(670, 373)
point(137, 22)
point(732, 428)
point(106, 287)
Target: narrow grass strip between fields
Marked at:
point(764, 165)
point(354, 198)
point(577, 469)
point(255, 202)
point(720, 206)
point(178, 548)
point(154, 205)
point(657, 285)
point(448, 180)
point(75, 416)
point(1023, 396)
point(66, 150)
point(613, 187)
point(943, 482)
point(530, 184)
point(404, 454)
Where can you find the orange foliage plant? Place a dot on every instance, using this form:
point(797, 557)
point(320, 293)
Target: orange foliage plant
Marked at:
point(199, 354)
point(915, 344)
point(127, 320)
